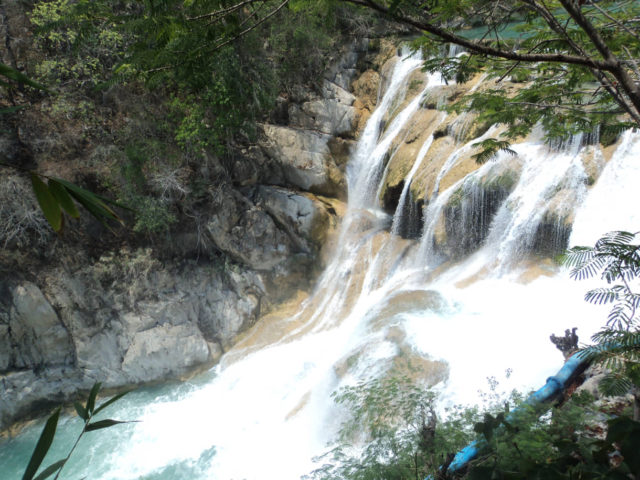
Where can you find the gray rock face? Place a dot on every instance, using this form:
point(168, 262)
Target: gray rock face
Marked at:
point(37, 336)
point(333, 114)
point(246, 232)
point(153, 352)
point(294, 212)
point(126, 319)
point(305, 148)
point(24, 392)
point(305, 158)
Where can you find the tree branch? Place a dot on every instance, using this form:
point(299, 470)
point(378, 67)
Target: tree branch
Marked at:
point(225, 11)
point(484, 49)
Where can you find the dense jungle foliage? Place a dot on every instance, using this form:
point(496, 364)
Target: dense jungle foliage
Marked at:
point(203, 73)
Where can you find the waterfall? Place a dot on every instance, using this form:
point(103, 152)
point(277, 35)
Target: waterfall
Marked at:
point(401, 217)
point(461, 310)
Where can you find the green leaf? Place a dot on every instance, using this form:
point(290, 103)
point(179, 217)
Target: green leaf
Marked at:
point(91, 401)
point(82, 413)
point(50, 470)
point(48, 204)
point(394, 6)
point(94, 203)
point(16, 76)
point(103, 424)
point(42, 447)
point(110, 401)
point(8, 110)
point(62, 196)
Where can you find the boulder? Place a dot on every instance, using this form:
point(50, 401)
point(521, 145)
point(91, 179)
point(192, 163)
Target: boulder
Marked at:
point(327, 116)
point(305, 159)
point(246, 232)
point(307, 218)
point(26, 393)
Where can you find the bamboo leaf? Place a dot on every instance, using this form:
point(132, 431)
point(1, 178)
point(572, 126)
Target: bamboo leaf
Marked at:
point(8, 110)
point(48, 204)
point(100, 424)
point(42, 447)
point(19, 77)
point(110, 401)
point(81, 411)
point(50, 470)
point(62, 196)
point(91, 401)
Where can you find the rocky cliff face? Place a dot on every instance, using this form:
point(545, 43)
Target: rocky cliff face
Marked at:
point(461, 224)
point(92, 305)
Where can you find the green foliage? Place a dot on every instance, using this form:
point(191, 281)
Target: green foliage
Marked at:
point(152, 214)
point(617, 261)
point(84, 40)
point(87, 414)
point(575, 62)
point(490, 147)
point(10, 76)
point(59, 195)
point(563, 445)
point(392, 433)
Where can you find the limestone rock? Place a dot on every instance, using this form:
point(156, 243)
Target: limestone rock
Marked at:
point(26, 393)
point(307, 218)
point(365, 88)
point(36, 331)
point(419, 130)
point(246, 232)
point(305, 159)
point(327, 116)
point(164, 350)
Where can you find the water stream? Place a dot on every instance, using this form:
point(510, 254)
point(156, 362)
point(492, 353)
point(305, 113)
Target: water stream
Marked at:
point(265, 411)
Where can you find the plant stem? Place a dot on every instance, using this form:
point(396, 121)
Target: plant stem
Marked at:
point(84, 429)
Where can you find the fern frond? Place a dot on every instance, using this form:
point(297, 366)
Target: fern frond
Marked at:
point(589, 268)
point(615, 237)
point(577, 256)
point(490, 148)
point(601, 296)
point(615, 384)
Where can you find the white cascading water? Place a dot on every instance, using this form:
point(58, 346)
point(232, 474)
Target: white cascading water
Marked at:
point(265, 411)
